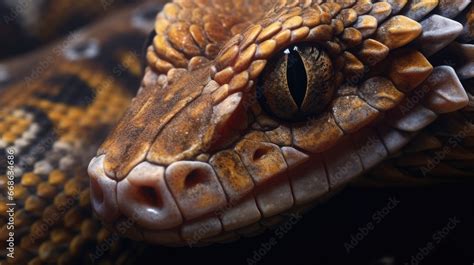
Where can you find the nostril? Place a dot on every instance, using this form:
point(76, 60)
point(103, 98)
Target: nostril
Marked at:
point(195, 177)
point(144, 197)
point(195, 187)
point(262, 160)
point(97, 192)
point(260, 153)
point(149, 196)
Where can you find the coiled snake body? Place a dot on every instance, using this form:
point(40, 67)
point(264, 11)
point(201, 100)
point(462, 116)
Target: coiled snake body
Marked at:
point(248, 110)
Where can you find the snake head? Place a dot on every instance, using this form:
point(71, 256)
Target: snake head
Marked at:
point(251, 110)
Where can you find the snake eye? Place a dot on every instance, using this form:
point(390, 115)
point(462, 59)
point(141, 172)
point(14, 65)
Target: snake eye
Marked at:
point(297, 83)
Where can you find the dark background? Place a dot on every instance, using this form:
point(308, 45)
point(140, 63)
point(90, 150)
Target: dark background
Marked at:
point(319, 237)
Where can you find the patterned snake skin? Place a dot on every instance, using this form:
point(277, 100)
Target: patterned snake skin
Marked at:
point(247, 111)
point(57, 105)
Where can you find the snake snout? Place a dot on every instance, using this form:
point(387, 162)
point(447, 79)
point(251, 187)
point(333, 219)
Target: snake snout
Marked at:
point(155, 198)
point(103, 191)
point(144, 196)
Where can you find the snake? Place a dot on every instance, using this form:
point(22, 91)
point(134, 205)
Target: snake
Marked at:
point(245, 112)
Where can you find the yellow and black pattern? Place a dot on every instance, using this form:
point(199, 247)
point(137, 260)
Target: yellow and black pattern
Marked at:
point(52, 125)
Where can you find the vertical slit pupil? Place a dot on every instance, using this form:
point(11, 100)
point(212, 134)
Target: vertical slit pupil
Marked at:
point(296, 76)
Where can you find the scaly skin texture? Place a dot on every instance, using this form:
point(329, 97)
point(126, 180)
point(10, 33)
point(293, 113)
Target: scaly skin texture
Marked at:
point(198, 158)
point(218, 165)
point(57, 105)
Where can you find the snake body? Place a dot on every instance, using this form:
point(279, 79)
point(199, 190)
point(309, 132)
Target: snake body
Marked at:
point(57, 104)
point(219, 142)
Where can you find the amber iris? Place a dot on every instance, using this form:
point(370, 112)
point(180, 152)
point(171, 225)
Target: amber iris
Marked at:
point(297, 83)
